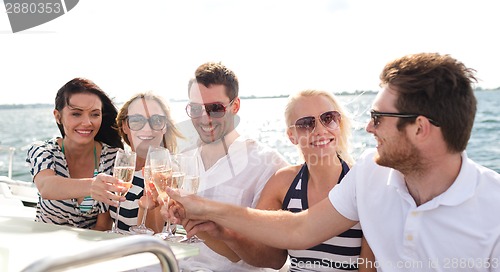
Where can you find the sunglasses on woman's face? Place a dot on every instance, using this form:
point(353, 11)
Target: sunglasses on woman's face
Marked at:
point(137, 122)
point(329, 119)
point(214, 110)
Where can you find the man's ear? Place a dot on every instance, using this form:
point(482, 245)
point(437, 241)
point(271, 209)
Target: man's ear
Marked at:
point(423, 127)
point(236, 105)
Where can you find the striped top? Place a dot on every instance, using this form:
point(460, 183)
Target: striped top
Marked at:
point(339, 253)
point(130, 208)
point(48, 155)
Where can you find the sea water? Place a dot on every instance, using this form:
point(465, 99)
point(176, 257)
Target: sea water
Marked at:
point(259, 118)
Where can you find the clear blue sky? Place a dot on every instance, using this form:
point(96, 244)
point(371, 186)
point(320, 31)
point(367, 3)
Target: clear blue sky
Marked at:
point(275, 47)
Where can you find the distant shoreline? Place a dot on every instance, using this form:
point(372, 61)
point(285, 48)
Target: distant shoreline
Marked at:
point(357, 92)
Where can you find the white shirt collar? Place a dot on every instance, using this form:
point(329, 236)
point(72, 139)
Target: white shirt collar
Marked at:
point(461, 190)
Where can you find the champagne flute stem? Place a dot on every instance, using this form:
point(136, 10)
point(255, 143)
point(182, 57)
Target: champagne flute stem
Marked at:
point(115, 227)
point(143, 221)
point(167, 228)
point(169, 231)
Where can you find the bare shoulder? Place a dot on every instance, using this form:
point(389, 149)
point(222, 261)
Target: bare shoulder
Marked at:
point(285, 175)
point(276, 187)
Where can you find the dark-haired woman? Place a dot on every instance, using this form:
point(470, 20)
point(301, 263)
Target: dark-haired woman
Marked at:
point(73, 172)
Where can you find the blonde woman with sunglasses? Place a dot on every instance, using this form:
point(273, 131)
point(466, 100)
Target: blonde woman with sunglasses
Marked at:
point(321, 129)
point(144, 120)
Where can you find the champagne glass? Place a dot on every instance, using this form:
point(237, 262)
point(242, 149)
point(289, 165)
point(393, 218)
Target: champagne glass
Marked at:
point(123, 170)
point(161, 173)
point(142, 229)
point(189, 166)
point(177, 178)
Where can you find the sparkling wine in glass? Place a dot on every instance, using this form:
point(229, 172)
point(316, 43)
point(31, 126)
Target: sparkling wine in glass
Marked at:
point(123, 170)
point(189, 165)
point(161, 175)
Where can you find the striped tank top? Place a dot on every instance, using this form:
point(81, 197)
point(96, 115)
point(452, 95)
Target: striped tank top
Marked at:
point(129, 209)
point(339, 253)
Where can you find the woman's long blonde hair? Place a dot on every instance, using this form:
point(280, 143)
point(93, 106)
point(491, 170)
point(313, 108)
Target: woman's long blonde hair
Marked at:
point(343, 146)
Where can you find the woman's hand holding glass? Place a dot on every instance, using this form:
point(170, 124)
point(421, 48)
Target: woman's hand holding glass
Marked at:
point(124, 171)
point(149, 199)
point(145, 202)
point(107, 189)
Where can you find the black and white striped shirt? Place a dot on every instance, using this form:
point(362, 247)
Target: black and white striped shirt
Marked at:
point(339, 253)
point(48, 155)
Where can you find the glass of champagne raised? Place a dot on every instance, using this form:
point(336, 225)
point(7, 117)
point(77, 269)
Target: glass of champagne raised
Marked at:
point(189, 167)
point(161, 175)
point(123, 170)
point(142, 228)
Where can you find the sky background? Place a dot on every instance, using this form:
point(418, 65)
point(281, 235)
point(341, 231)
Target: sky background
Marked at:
point(275, 47)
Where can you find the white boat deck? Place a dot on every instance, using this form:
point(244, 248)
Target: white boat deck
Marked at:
point(26, 245)
point(23, 242)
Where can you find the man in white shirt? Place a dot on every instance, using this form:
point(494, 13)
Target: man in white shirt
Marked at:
point(235, 168)
point(422, 204)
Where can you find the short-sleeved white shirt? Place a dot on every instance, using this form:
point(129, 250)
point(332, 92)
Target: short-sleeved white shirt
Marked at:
point(458, 230)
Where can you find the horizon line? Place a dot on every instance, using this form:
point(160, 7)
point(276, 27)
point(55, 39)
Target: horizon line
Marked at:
point(356, 92)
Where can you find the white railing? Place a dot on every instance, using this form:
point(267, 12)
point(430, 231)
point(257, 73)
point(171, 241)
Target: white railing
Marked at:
point(11, 151)
point(109, 250)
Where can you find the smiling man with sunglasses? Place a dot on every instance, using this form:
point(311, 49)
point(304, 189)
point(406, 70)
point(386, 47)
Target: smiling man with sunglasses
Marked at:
point(422, 203)
point(235, 169)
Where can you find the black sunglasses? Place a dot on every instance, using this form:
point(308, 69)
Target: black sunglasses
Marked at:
point(375, 115)
point(329, 119)
point(137, 122)
point(214, 110)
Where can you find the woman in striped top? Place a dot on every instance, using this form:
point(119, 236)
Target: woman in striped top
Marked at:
point(66, 170)
point(318, 125)
point(143, 121)
point(320, 128)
